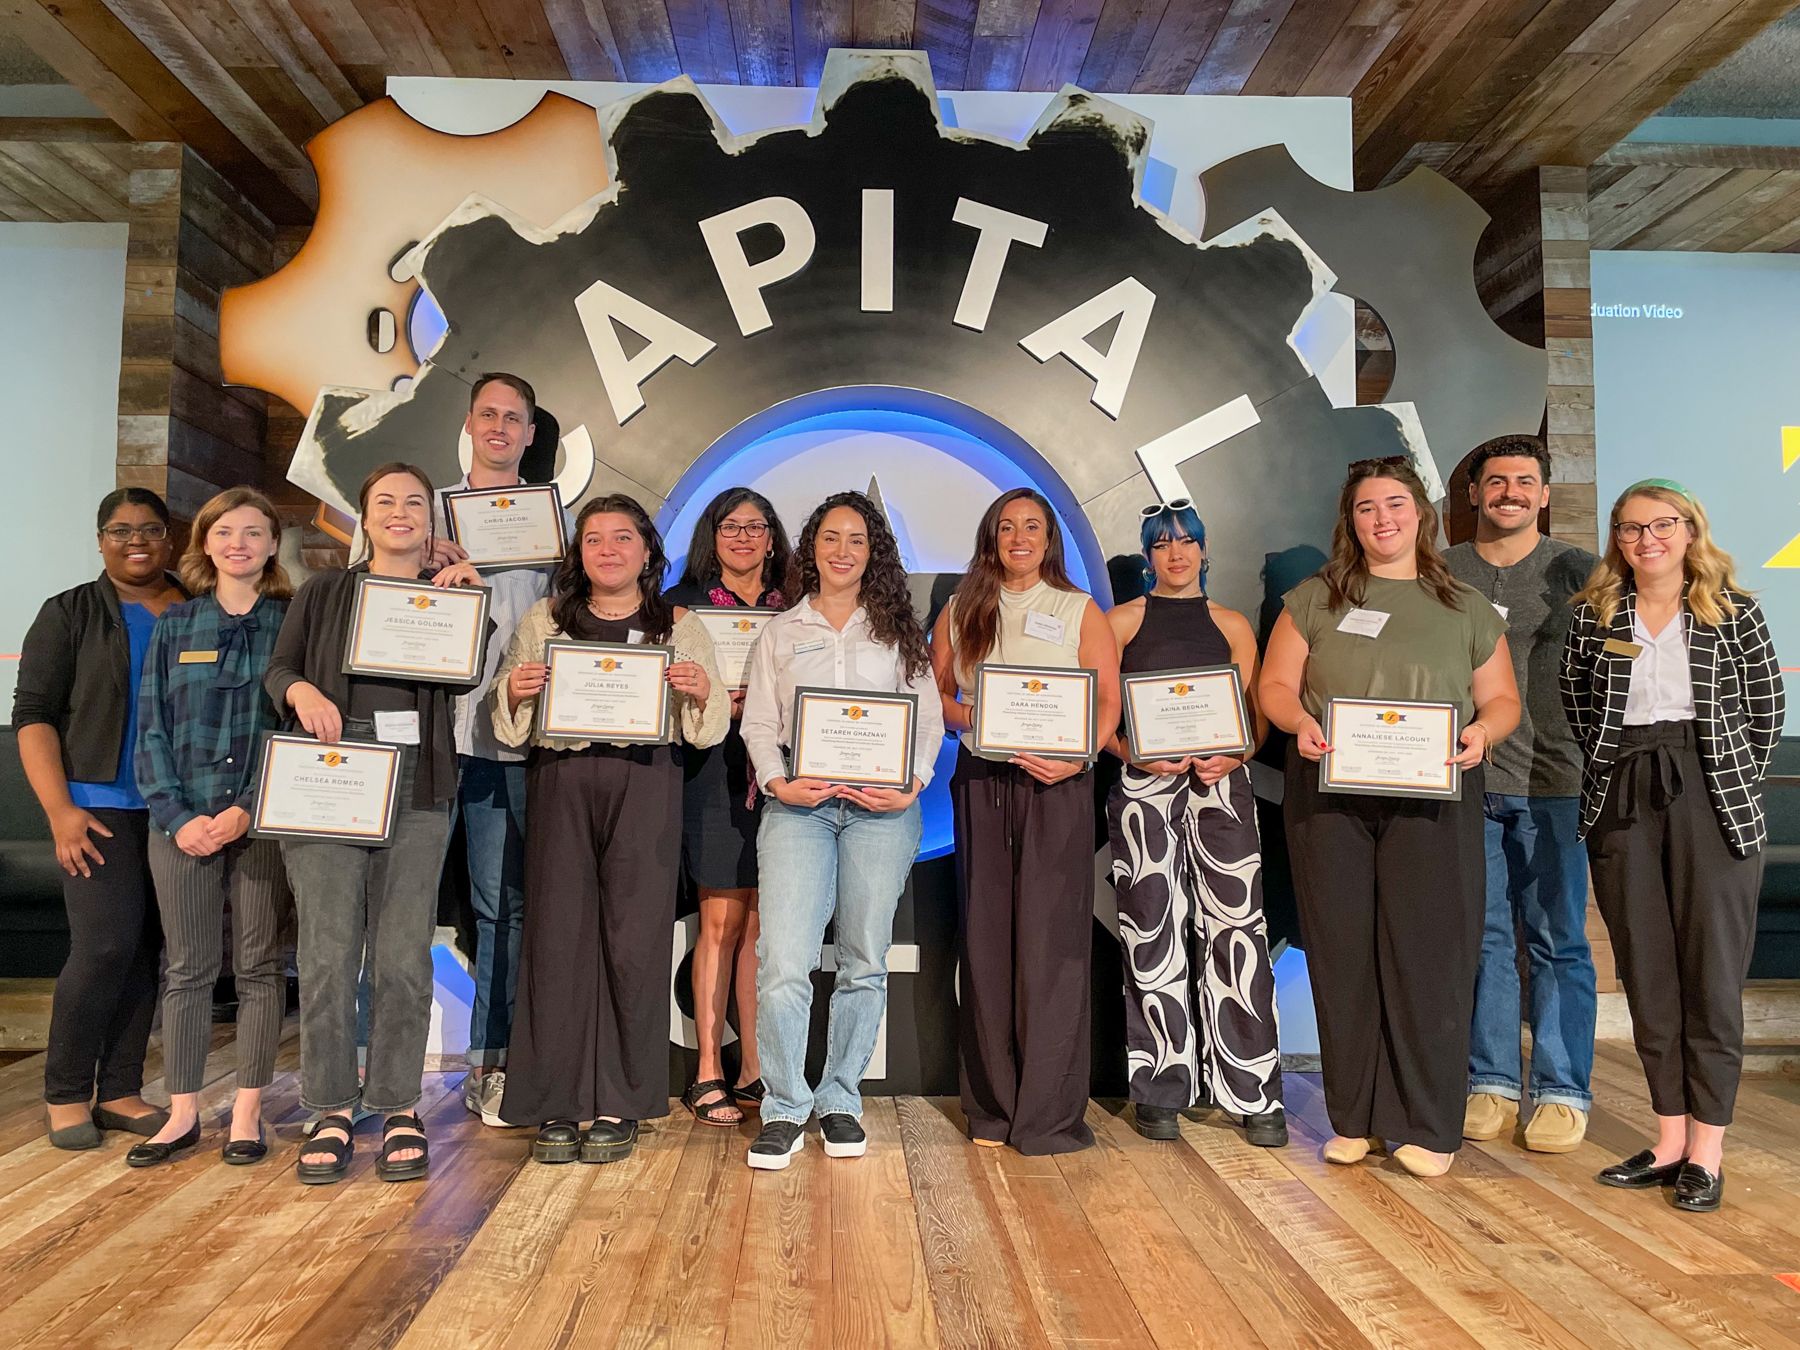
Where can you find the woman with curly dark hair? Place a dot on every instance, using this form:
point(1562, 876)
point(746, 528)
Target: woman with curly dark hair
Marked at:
point(829, 850)
point(1024, 838)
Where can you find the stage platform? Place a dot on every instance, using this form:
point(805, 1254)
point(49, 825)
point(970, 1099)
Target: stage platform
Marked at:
point(927, 1241)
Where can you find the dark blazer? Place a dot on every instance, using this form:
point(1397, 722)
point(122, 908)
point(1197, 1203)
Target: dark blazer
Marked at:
point(1739, 703)
point(74, 673)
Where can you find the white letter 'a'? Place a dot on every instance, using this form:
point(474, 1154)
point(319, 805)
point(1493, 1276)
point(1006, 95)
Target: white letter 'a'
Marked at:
point(1130, 302)
point(743, 280)
point(999, 231)
point(599, 306)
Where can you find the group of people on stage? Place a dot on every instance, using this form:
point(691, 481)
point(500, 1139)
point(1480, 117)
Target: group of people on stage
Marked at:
point(1632, 699)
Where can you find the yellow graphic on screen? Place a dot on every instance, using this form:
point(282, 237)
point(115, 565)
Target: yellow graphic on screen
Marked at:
point(1789, 556)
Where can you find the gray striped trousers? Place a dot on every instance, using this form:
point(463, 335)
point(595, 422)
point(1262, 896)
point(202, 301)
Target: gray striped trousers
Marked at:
point(192, 893)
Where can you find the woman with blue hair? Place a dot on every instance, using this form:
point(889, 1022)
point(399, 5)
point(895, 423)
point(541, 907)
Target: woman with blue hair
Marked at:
point(1200, 1025)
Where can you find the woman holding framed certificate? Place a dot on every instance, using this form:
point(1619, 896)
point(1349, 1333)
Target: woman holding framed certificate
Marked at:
point(843, 682)
point(1674, 691)
point(1389, 861)
point(736, 563)
point(602, 677)
point(372, 904)
point(1187, 861)
point(1024, 825)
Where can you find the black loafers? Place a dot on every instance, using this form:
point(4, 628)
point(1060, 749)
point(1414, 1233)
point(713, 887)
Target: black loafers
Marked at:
point(1639, 1172)
point(1156, 1122)
point(1697, 1190)
point(149, 1155)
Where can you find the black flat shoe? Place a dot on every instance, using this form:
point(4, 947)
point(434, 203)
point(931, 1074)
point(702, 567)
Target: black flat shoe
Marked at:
point(1156, 1122)
point(1697, 1190)
point(412, 1169)
point(1267, 1129)
point(243, 1152)
point(149, 1126)
point(558, 1141)
point(74, 1138)
point(149, 1155)
point(341, 1151)
point(609, 1141)
point(1639, 1172)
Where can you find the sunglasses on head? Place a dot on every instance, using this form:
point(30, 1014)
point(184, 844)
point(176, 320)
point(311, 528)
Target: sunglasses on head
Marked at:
point(1157, 508)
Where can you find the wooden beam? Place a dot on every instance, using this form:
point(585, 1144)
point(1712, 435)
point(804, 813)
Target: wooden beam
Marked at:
point(61, 129)
point(943, 29)
point(1238, 45)
point(585, 38)
point(703, 40)
point(1059, 43)
point(1182, 36)
point(1703, 156)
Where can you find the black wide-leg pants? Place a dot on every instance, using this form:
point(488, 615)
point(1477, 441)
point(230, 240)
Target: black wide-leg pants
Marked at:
point(1025, 872)
point(602, 852)
point(1391, 892)
point(1680, 907)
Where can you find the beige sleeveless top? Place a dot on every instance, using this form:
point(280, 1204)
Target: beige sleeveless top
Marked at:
point(1013, 646)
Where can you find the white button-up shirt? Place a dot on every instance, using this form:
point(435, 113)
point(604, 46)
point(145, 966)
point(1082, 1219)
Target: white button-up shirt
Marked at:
point(800, 648)
point(1662, 682)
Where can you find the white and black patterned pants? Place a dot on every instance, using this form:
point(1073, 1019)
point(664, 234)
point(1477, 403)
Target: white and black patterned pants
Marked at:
point(1199, 991)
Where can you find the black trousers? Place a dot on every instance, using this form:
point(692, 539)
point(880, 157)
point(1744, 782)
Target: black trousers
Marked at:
point(1025, 868)
point(1681, 909)
point(591, 1018)
point(106, 991)
point(1392, 892)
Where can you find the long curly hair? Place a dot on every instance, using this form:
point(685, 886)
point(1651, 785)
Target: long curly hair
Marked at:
point(1346, 572)
point(976, 619)
point(570, 588)
point(1711, 574)
point(885, 599)
point(702, 567)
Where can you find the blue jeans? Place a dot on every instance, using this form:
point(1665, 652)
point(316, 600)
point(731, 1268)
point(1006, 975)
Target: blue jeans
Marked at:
point(1536, 879)
point(834, 860)
point(492, 798)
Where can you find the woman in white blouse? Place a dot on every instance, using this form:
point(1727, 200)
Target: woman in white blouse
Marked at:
point(830, 850)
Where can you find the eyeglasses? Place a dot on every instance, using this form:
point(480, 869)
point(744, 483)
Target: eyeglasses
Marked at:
point(1663, 527)
point(731, 529)
point(124, 534)
point(1157, 508)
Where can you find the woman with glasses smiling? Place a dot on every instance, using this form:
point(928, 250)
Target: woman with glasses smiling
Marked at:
point(1673, 689)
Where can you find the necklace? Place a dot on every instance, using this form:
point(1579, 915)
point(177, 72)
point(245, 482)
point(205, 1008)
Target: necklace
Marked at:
point(614, 617)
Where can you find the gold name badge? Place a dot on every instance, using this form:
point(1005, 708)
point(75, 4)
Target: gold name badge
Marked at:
point(196, 658)
point(1619, 647)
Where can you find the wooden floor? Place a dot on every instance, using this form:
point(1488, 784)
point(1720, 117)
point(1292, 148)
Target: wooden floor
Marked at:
point(927, 1241)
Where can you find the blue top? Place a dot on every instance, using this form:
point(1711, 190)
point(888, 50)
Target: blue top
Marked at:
point(122, 794)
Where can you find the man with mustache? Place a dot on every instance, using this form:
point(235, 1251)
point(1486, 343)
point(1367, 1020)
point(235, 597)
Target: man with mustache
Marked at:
point(1536, 868)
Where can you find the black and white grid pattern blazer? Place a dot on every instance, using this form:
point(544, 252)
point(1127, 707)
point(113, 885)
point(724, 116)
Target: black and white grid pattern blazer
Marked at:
point(1739, 703)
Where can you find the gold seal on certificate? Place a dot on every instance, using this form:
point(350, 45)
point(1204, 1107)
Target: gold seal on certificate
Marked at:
point(342, 793)
point(605, 691)
point(1028, 710)
point(411, 630)
point(508, 527)
point(854, 736)
point(1171, 714)
point(734, 631)
point(1391, 749)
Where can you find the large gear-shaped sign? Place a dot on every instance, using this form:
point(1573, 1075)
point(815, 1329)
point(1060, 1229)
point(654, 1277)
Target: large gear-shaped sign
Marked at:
point(720, 275)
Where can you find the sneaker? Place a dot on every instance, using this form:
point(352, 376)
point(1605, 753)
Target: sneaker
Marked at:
point(775, 1147)
point(1267, 1129)
point(472, 1093)
point(843, 1135)
point(488, 1095)
point(1156, 1122)
point(1556, 1128)
point(1488, 1115)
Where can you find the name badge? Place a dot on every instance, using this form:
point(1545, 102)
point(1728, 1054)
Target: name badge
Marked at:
point(1044, 627)
point(397, 728)
point(1499, 608)
point(1364, 622)
point(802, 648)
point(1619, 647)
point(196, 658)
point(634, 638)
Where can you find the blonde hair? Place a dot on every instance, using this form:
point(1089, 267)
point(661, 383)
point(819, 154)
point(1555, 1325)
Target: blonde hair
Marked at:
point(1708, 567)
point(197, 571)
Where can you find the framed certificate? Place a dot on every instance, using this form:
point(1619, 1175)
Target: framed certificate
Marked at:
point(734, 632)
point(508, 527)
point(409, 630)
point(605, 691)
point(341, 793)
point(1171, 714)
point(1391, 749)
point(1025, 710)
point(854, 736)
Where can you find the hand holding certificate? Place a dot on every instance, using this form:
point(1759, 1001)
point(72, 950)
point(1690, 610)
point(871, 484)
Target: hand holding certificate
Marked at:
point(854, 738)
point(508, 527)
point(412, 630)
point(605, 691)
point(1391, 749)
point(1024, 710)
point(1172, 714)
point(734, 631)
point(341, 793)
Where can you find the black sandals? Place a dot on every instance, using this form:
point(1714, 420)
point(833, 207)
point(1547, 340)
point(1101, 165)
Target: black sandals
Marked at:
point(341, 1150)
point(751, 1092)
point(413, 1168)
point(723, 1112)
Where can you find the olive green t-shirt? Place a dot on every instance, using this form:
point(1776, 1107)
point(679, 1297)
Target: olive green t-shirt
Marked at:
point(1425, 652)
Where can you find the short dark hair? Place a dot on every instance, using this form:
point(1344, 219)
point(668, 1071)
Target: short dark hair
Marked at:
point(1502, 447)
point(130, 496)
point(512, 382)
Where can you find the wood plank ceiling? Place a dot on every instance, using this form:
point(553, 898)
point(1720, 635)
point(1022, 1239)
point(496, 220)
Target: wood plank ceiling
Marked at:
point(1483, 90)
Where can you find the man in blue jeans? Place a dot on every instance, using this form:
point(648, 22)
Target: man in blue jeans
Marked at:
point(1536, 867)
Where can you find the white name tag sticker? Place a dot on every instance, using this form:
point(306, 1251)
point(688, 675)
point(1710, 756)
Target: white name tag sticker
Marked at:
point(397, 728)
point(802, 648)
point(1364, 622)
point(1044, 627)
point(1499, 608)
point(634, 638)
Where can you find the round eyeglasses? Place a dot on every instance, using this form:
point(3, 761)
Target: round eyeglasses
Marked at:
point(1663, 527)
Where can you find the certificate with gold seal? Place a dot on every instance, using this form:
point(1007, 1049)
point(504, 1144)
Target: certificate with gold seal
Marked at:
point(1171, 714)
point(853, 736)
point(411, 630)
point(734, 630)
point(1027, 710)
point(1391, 748)
point(521, 526)
point(605, 691)
point(342, 793)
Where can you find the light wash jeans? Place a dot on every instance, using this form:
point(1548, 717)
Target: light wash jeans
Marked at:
point(831, 861)
point(1537, 879)
point(492, 801)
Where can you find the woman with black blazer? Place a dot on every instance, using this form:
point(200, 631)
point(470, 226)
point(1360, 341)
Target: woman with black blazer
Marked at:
point(76, 710)
point(1672, 686)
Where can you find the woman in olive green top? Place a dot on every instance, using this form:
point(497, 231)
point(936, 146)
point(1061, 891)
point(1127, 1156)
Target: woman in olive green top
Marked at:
point(1391, 889)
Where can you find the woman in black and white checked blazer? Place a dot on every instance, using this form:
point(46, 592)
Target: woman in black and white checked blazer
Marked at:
point(1671, 685)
